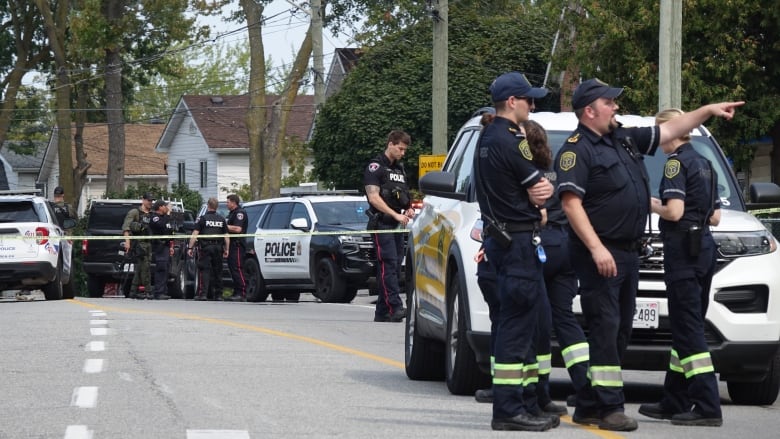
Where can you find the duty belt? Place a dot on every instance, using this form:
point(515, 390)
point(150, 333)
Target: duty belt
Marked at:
point(521, 227)
point(629, 245)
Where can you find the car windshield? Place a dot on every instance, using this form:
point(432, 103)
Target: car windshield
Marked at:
point(727, 191)
point(108, 216)
point(341, 212)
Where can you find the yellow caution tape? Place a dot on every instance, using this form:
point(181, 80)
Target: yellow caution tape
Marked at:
point(764, 211)
point(185, 236)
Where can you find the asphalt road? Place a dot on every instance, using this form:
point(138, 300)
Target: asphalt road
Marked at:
point(120, 368)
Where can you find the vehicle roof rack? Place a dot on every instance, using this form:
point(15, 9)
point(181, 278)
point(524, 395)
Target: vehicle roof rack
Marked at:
point(20, 192)
point(318, 193)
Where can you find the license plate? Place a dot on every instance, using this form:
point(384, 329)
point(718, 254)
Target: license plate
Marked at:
point(646, 314)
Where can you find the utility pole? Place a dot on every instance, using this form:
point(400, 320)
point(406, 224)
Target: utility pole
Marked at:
point(670, 55)
point(316, 40)
point(439, 13)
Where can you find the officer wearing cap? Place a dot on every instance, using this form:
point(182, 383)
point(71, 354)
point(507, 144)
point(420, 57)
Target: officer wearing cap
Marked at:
point(688, 206)
point(603, 185)
point(212, 251)
point(162, 249)
point(387, 192)
point(137, 224)
point(236, 224)
point(62, 210)
point(509, 190)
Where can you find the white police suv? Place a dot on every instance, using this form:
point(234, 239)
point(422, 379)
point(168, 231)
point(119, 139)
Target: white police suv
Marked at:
point(309, 242)
point(34, 253)
point(448, 329)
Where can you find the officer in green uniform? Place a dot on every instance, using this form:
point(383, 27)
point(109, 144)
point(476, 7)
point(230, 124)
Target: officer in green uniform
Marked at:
point(137, 224)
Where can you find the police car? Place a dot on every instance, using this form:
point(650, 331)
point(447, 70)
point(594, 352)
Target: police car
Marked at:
point(309, 242)
point(33, 251)
point(448, 328)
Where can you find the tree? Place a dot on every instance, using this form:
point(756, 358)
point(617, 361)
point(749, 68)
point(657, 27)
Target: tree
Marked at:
point(730, 51)
point(391, 87)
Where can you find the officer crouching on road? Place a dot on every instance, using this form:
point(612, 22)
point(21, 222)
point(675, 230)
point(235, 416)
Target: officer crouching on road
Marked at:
point(162, 250)
point(388, 194)
point(688, 206)
point(212, 251)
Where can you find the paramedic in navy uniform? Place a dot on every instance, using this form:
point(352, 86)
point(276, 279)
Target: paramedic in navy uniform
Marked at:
point(603, 185)
point(388, 194)
point(510, 190)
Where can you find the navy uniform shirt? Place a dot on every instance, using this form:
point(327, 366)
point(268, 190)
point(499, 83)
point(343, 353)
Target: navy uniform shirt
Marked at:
point(237, 217)
point(211, 223)
point(555, 214)
point(609, 175)
point(689, 177)
point(160, 225)
point(391, 179)
point(506, 172)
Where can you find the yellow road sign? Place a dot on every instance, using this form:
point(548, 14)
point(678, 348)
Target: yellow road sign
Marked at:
point(431, 162)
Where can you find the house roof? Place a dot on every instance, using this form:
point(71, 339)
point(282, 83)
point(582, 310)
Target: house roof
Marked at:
point(22, 161)
point(221, 119)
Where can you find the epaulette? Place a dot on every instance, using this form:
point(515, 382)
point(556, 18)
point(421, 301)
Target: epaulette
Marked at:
point(574, 139)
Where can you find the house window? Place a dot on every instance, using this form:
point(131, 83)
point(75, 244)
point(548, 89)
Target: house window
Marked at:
point(181, 174)
point(204, 173)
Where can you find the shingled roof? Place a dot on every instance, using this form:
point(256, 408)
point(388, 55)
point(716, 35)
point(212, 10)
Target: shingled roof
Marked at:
point(140, 155)
point(221, 119)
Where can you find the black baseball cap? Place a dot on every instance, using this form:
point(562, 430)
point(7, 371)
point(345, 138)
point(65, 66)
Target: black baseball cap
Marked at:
point(514, 84)
point(59, 190)
point(159, 203)
point(148, 196)
point(591, 90)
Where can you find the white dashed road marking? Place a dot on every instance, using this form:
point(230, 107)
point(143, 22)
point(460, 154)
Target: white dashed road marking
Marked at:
point(98, 331)
point(84, 397)
point(78, 432)
point(99, 322)
point(96, 346)
point(93, 365)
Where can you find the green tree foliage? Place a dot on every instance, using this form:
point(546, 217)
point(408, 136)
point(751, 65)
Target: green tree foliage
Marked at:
point(730, 51)
point(190, 199)
point(391, 87)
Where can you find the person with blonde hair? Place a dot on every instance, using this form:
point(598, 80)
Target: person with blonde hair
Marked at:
point(688, 205)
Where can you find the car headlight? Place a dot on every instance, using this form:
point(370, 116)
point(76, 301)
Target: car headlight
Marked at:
point(350, 239)
point(736, 244)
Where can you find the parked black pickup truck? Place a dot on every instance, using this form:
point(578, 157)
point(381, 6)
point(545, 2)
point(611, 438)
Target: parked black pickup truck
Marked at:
point(104, 258)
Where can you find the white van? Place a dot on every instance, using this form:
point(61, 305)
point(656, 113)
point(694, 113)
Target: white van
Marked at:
point(448, 329)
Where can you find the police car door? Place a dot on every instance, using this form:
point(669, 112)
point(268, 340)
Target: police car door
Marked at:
point(281, 252)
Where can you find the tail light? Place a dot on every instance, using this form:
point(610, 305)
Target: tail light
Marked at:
point(42, 235)
point(84, 247)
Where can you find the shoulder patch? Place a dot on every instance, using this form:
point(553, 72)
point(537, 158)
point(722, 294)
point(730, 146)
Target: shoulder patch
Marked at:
point(568, 160)
point(525, 150)
point(373, 166)
point(672, 168)
point(240, 216)
point(574, 139)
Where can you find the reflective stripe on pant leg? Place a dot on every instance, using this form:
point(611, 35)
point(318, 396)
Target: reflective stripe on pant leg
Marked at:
point(576, 353)
point(697, 364)
point(674, 362)
point(545, 364)
point(492, 365)
point(606, 376)
point(508, 374)
point(531, 374)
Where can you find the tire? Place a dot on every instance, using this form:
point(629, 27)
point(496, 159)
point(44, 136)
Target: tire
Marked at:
point(255, 284)
point(423, 358)
point(762, 392)
point(67, 290)
point(278, 296)
point(177, 286)
point(292, 297)
point(95, 286)
point(53, 290)
point(191, 274)
point(329, 286)
point(463, 374)
point(349, 295)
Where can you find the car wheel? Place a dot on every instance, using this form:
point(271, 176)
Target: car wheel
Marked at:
point(762, 392)
point(292, 297)
point(53, 290)
point(95, 286)
point(67, 290)
point(177, 286)
point(464, 376)
point(328, 284)
point(349, 295)
point(255, 284)
point(278, 296)
point(423, 358)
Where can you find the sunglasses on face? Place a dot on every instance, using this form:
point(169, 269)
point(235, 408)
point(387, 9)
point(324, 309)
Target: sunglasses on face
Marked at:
point(529, 101)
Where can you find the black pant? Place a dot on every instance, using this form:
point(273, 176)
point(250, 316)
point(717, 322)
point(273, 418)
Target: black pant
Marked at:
point(162, 260)
point(236, 256)
point(389, 254)
point(210, 271)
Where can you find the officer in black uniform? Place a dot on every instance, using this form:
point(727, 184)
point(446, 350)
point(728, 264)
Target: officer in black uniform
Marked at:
point(62, 210)
point(689, 204)
point(509, 191)
point(212, 251)
point(236, 224)
point(162, 250)
point(603, 185)
point(388, 195)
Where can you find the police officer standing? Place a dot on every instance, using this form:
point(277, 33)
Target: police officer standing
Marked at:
point(236, 224)
point(388, 195)
point(160, 225)
point(62, 210)
point(212, 251)
point(510, 190)
point(137, 224)
point(689, 205)
point(604, 188)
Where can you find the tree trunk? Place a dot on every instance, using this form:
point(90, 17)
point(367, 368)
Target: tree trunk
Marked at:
point(56, 28)
point(82, 165)
point(115, 174)
point(256, 113)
